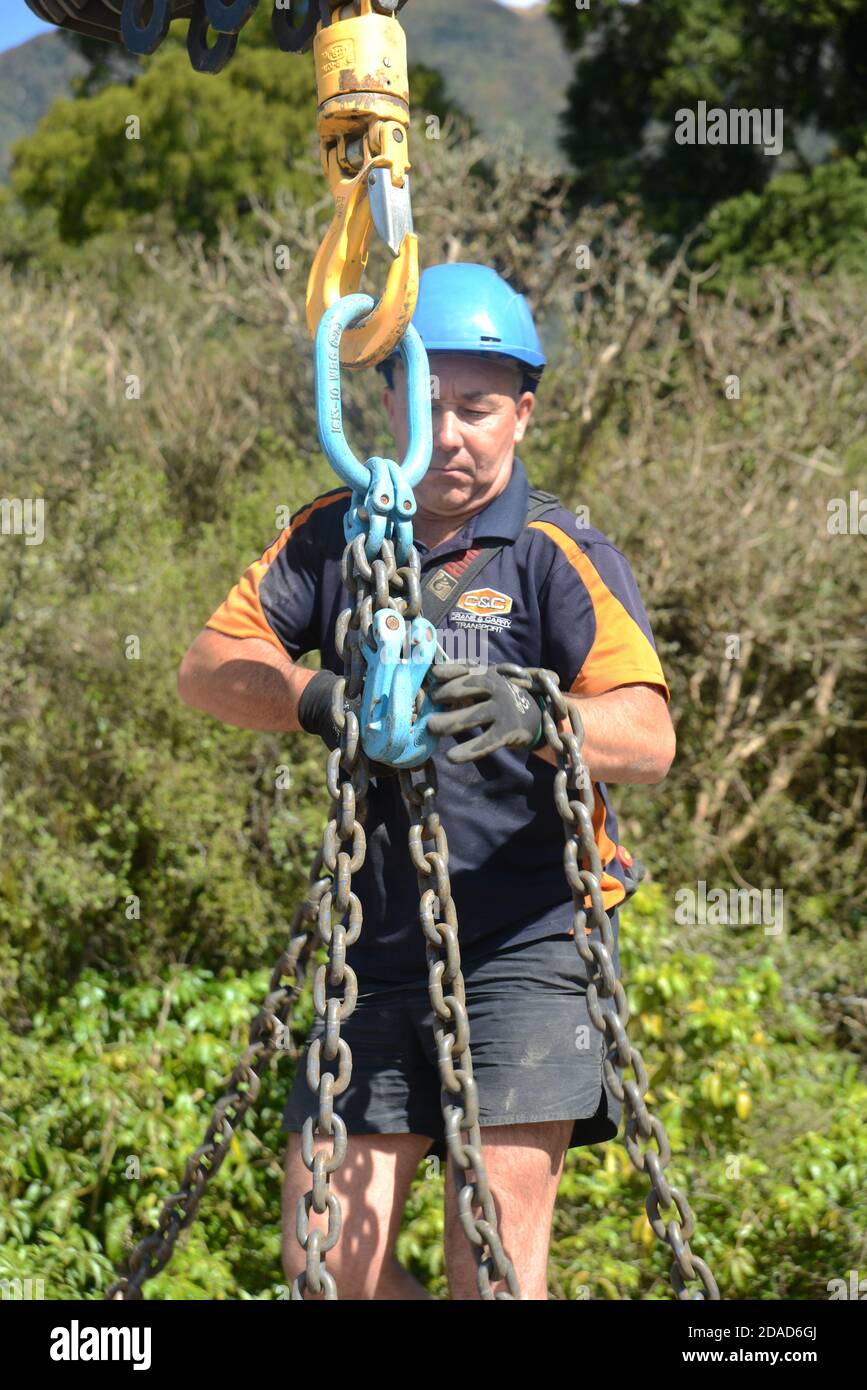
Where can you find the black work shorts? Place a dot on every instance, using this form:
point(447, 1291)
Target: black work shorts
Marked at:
point(536, 1054)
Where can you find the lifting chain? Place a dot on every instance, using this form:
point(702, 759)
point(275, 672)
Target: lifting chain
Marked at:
point(574, 799)
point(269, 1033)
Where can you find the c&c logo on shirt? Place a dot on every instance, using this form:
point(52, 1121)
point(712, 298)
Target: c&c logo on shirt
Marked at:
point(485, 602)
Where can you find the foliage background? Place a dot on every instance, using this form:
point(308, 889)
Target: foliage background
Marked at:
point(158, 258)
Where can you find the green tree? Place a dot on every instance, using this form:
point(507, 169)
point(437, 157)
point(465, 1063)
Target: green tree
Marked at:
point(198, 147)
point(815, 221)
point(637, 65)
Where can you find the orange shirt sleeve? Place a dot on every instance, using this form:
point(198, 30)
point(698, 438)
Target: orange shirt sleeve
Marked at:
point(278, 597)
point(597, 631)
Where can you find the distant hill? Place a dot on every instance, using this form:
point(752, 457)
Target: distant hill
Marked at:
point(507, 68)
point(504, 67)
point(31, 76)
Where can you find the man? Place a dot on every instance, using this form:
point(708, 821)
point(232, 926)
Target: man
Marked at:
point(557, 595)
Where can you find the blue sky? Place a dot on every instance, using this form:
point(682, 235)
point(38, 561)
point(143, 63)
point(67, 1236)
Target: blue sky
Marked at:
point(18, 23)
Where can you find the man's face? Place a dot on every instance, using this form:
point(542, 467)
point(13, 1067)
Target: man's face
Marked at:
point(479, 414)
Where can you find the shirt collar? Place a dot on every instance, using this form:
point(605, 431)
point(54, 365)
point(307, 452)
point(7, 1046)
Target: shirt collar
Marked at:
point(504, 517)
point(461, 540)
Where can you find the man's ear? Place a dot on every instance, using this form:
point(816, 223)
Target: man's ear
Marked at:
point(523, 413)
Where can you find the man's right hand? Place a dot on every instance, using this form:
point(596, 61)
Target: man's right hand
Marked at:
point(315, 715)
point(314, 708)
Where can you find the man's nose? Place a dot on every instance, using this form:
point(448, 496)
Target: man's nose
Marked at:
point(446, 430)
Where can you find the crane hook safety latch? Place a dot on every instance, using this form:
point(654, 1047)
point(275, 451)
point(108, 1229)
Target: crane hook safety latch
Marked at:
point(392, 731)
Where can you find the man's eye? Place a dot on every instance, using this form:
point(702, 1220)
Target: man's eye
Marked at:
point(464, 410)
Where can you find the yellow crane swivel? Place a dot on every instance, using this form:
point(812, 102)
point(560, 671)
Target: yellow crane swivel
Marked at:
point(363, 92)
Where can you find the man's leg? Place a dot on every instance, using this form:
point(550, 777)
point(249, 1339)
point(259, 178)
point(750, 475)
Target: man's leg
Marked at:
point(371, 1185)
point(524, 1163)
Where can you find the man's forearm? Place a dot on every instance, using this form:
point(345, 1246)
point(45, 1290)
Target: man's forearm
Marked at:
point(626, 739)
point(259, 690)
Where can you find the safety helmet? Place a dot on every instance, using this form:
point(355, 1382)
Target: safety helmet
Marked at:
point(470, 308)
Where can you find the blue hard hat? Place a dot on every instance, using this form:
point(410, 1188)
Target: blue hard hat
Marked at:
point(470, 308)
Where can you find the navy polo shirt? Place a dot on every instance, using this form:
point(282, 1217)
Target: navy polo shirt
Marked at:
point(558, 595)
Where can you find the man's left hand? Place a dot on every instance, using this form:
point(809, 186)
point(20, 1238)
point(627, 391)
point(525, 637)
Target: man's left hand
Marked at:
point(509, 716)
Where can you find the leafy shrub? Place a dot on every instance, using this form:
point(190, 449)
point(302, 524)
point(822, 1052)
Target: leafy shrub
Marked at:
point(108, 1093)
point(814, 222)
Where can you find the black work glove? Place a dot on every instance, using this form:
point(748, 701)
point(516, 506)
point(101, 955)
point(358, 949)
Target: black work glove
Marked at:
point(314, 708)
point(314, 715)
point(509, 716)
